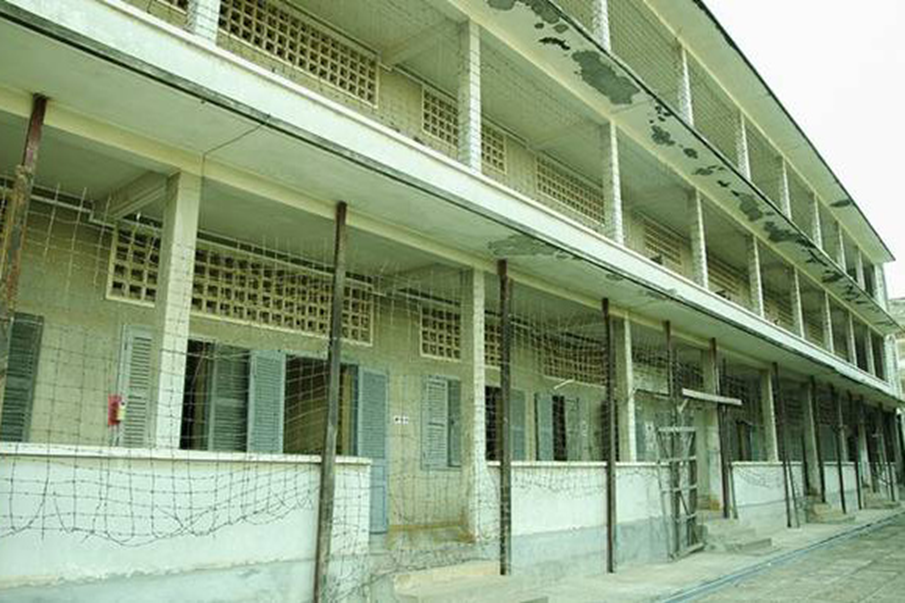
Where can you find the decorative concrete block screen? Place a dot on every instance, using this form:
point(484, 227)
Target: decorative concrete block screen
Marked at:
point(134, 264)
point(243, 286)
point(440, 119)
point(664, 245)
point(725, 280)
point(441, 333)
point(286, 34)
point(572, 191)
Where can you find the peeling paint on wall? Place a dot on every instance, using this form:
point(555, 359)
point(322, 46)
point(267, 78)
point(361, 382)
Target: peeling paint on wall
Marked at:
point(542, 8)
point(602, 77)
point(523, 245)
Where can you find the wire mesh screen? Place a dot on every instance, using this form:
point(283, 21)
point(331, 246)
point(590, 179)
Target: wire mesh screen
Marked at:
point(766, 165)
point(715, 115)
point(647, 46)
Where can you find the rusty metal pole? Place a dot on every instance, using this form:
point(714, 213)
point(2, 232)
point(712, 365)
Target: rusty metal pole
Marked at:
point(784, 457)
point(506, 439)
point(13, 240)
point(328, 454)
point(611, 442)
point(840, 445)
point(815, 418)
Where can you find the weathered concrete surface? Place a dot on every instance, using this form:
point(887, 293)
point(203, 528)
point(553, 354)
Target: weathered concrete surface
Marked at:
point(868, 567)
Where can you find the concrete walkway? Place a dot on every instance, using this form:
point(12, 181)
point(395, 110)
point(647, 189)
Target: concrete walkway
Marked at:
point(688, 579)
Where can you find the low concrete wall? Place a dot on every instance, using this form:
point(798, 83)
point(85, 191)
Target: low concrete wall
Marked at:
point(831, 478)
point(760, 492)
point(236, 526)
point(559, 516)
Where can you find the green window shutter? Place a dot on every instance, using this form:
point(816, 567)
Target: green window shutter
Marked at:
point(434, 423)
point(543, 414)
point(267, 389)
point(136, 384)
point(455, 423)
point(574, 439)
point(371, 440)
point(517, 427)
point(372, 414)
point(24, 347)
point(227, 412)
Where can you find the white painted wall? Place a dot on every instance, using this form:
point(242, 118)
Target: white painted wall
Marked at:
point(91, 513)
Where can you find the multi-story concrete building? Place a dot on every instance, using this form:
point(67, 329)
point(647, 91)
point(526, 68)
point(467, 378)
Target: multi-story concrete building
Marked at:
point(473, 181)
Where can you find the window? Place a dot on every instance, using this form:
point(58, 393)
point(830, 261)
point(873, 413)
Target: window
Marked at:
point(134, 263)
point(574, 358)
point(287, 35)
point(135, 383)
point(306, 408)
point(234, 399)
point(560, 428)
point(21, 377)
point(493, 421)
point(441, 423)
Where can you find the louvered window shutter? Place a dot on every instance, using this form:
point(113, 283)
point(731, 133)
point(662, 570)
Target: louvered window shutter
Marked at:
point(136, 384)
point(574, 439)
point(517, 428)
point(372, 414)
point(434, 423)
point(455, 423)
point(227, 412)
point(267, 389)
point(24, 347)
point(544, 426)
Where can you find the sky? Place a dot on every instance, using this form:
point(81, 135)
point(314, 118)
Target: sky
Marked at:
point(838, 66)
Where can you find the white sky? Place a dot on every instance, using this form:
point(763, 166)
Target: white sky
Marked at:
point(838, 66)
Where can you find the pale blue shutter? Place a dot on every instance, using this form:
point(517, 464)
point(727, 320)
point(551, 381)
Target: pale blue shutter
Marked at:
point(543, 414)
point(267, 401)
point(574, 439)
point(372, 440)
point(24, 347)
point(227, 411)
point(434, 423)
point(454, 434)
point(517, 426)
point(136, 383)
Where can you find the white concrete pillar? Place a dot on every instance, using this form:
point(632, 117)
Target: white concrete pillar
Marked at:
point(203, 18)
point(469, 94)
point(709, 450)
point(614, 227)
point(810, 438)
point(859, 268)
point(863, 455)
point(850, 338)
point(768, 414)
point(880, 286)
point(839, 236)
point(755, 282)
point(785, 195)
point(869, 352)
point(174, 303)
point(814, 210)
point(891, 362)
point(481, 498)
point(797, 310)
point(741, 146)
point(827, 323)
point(625, 390)
point(600, 23)
point(686, 109)
point(698, 239)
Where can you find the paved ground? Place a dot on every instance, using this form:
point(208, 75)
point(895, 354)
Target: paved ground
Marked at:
point(868, 567)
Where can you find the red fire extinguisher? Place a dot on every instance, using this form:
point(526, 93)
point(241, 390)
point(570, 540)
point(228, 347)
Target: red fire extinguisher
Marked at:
point(116, 410)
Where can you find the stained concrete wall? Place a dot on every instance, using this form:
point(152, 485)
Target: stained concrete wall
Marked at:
point(760, 493)
point(91, 514)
